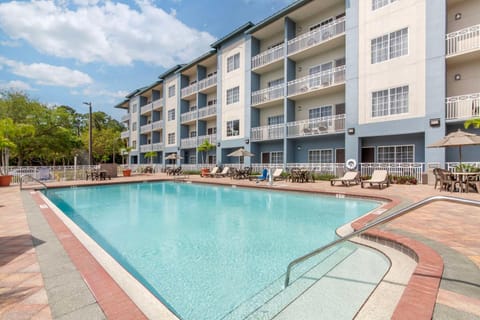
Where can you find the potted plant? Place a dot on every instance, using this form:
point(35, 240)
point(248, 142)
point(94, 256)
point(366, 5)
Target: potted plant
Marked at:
point(204, 148)
point(127, 172)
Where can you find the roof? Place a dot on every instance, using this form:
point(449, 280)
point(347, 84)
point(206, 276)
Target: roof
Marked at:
point(234, 33)
point(134, 92)
point(279, 14)
point(170, 71)
point(120, 105)
point(150, 86)
point(197, 60)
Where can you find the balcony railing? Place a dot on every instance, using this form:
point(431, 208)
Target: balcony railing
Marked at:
point(270, 132)
point(463, 107)
point(189, 90)
point(463, 40)
point(157, 104)
point(125, 134)
point(207, 82)
point(414, 169)
point(157, 125)
point(317, 81)
point(317, 36)
point(317, 126)
point(207, 111)
point(268, 94)
point(145, 147)
point(269, 56)
point(212, 138)
point(189, 142)
point(157, 146)
point(146, 108)
point(189, 116)
point(146, 128)
point(125, 117)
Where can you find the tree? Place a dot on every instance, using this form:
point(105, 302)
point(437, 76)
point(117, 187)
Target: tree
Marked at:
point(8, 134)
point(204, 148)
point(475, 123)
point(151, 155)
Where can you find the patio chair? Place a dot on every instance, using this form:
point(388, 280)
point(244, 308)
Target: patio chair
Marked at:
point(212, 173)
point(446, 180)
point(347, 179)
point(379, 177)
point(277, 174)
point(224, 172)
point(263, 176)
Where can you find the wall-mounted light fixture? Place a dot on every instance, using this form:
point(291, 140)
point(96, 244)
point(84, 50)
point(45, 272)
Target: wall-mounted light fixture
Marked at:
point(457, 76)
point(218, 144)
point(458, 16)
point(351, 131)
point(435, 122)
point(247, 141)
point(299, 147)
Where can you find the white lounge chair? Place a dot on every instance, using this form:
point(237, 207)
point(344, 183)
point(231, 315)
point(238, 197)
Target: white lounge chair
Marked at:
point(223, 173)
point(212, 172)
point(277, 174)
point(347, 179)
point(379, 177)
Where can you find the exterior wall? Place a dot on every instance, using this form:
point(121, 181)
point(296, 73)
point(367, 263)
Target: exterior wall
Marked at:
point(264, 44)
point(171, 103)
point(270, 76)
point(135, 123)
point(304, 145)
point(417, 140)
point(408, 69)
point(265, 113)
point(303, 106)
point(304, 65)
point(303, 26)
point(470, 15)
point(470, 78)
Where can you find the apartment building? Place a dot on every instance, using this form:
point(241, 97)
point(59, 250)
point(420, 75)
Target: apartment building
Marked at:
point(318, 83)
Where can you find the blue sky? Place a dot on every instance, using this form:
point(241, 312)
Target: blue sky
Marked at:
point(65, 52)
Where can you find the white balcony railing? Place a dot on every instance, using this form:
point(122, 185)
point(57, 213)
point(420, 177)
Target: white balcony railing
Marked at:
point(145, 147)
point(125, 117)
point(464, 40)
point(157, 125)
point(270, 132)
point(268, 94)
point(317, 81)
point(212, 138)
point(317, 126)
point(193, 88)
point(146, 128)
point(125, 134)
point(157, 146)
point(268, 56)
point(207, 111)
point(189, 116)
point(317, 36)
point(188, 142)
point(463, 107)
point(146, 108)
point(157, 104)
point(207, 82)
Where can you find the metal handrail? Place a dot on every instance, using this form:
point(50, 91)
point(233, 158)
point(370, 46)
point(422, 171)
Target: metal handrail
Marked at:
point(380, 221)
point(33, 178)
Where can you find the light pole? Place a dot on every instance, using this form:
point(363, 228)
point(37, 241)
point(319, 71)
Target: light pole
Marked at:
point(89, 104)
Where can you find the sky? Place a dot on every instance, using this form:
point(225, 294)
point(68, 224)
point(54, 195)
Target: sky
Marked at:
point(66, 52)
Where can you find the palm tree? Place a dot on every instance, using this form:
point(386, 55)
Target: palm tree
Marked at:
point(204, 148)
point(151, 155)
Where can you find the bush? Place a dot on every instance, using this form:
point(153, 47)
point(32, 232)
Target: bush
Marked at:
point(192, 172)
point(323, 176)
point(402, 179)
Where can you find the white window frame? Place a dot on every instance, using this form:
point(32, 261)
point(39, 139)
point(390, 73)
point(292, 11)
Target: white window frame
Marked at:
point(233, 95)
point(397, 152)
point(233, 62)
point(171, 138)
point(393, 101)
point(321, 110)
point(377, 4)
point(389, 46)
point(277, 119)
point(231, 132)
point(171, 115)
point(276, 157)
point(134, 108)
point(171, 91)
point(211, 130)
point(311, 157)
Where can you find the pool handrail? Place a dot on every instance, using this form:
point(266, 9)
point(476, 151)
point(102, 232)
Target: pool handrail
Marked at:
point(33, 178)
point(375, 223)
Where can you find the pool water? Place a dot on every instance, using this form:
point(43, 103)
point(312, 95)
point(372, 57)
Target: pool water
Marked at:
point(203, 250)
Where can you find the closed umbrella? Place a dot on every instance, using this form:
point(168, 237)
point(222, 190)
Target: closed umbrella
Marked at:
point(457, 139)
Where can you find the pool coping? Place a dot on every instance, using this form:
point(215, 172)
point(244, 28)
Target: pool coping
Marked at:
point(416, 288)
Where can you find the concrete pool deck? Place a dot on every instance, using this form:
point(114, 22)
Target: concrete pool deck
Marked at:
point(31, 267)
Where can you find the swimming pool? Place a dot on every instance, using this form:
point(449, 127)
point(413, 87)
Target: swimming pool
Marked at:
point(203, 250)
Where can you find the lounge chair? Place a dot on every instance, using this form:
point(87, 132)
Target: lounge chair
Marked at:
point(224, 172)
point(379, 177)
point(347, 179)
point(212, 173)
point(262, 177)
point(277, 174)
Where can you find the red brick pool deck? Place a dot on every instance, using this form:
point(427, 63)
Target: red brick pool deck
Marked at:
point(23, 296)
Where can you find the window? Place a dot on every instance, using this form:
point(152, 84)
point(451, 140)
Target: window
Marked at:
point(193, 108)
point(399, 153)
point(212, 102)
point(134, 144)
point(323, 23)
point(319, 112)
point(171, 138)
point(193, 134)
point(276, 157)
point(233, 95)
point(324, 77)
point(390, 101)
point(320, 156)
point(377, 4)
point(171, 91)
point(212, 130)
point(275, 120)
point(134, 108)
point(134, 126)
point(275, 82)
point(171, 115)
point(233, 62)
point(389, 46)
point(233, 128)
point(192, 159)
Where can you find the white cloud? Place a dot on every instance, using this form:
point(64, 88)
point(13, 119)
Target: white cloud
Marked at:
point(46, 74)
point(16, 85)
point(108, 32)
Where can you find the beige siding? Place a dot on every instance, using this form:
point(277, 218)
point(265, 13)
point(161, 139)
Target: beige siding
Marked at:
point(269, 112)
point(302, 106)
point(470, 15)
point(469, 82)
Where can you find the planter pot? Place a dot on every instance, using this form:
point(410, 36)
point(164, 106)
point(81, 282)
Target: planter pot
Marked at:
point(127, 172)
point(205, 172)
point(5, 181)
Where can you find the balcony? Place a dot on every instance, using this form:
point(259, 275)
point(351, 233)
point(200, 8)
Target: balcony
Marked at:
point(157, 125)
point(146, 128)
point(463, 41)
point(316, 37)
point(157, 146)
point(462, 107)
point(316, 127)
point(271, 132)
point(190, 90)
point(208, 82)
point(145, 148)
point(207, 111)
point(269, 56)
point(189, 116)
point(212, 138)
point(146, 108)
point(157, 104)
point(317, 81)
point(125, 134)
point(188, 143)
point(268, 94)
point(125, 117)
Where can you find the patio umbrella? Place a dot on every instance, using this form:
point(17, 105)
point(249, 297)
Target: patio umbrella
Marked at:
point(240, 153)
point(457, 139)
point(173, 156)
